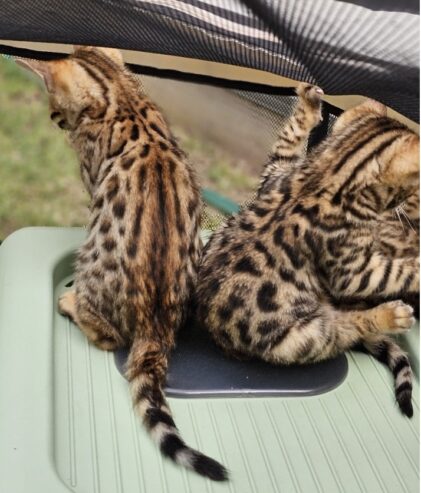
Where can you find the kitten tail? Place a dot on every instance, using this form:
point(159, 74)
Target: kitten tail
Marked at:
point(385, 350)
point(146, 371)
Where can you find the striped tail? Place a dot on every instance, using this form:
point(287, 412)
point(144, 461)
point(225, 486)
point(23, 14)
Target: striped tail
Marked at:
point(146, 372)
point(386, 350)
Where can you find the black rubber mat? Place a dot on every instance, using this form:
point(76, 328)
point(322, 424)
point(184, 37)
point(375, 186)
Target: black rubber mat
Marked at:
point(198, 368)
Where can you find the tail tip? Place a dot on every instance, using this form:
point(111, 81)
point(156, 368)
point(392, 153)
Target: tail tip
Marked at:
point(210, 468)
point(405, 404)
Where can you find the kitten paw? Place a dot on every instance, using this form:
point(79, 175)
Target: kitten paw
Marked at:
point(67, 304)
point(311, 104)
point(107, 344)
point(311, 94)
point(395, 317)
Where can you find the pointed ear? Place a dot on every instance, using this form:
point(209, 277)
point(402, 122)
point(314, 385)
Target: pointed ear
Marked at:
point(114, 54)
point(373, 106)
point(401, 163)
point(40, 68)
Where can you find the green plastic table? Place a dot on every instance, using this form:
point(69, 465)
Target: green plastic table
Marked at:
point(67, 425)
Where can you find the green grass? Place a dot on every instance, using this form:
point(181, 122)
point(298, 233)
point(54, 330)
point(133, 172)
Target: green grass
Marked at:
point(39, 174)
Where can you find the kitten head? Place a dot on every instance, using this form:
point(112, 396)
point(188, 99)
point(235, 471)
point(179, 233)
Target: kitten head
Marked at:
point(382, 153)
point(79, 84)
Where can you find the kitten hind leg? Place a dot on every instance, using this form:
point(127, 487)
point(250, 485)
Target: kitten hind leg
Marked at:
point(96, 328)
point(332, 332)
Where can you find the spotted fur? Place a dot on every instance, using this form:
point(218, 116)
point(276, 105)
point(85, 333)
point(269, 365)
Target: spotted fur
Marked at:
point(137, 268)
point(318, 263)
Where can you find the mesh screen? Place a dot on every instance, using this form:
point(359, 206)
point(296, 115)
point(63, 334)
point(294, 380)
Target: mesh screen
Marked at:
point(211, 219)
point(227, 133)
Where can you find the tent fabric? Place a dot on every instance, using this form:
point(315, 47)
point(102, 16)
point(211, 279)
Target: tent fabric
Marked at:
point(365, 47)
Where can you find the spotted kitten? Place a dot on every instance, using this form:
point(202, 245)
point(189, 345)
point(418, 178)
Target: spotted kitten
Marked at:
point(277, 281)
point(137, 268)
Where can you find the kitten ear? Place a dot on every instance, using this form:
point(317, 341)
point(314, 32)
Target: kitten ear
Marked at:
point(114, 54)
point(373, 106)
point(401, 163)
point(40, 68)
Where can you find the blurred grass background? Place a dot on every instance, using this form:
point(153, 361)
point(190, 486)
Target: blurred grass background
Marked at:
point(39, 174)
point(39, 177)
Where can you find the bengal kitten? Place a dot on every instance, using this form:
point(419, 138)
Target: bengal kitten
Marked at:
point(277, 280)
point(137, 268)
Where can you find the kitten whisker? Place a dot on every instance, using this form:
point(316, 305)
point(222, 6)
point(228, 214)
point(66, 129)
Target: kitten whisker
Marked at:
point(405, 215)
point(397, 211)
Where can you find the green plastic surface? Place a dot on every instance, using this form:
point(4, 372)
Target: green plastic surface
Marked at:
point(66, 421)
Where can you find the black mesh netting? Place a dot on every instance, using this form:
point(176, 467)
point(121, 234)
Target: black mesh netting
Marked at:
point(228, 133)
point(366, 47)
